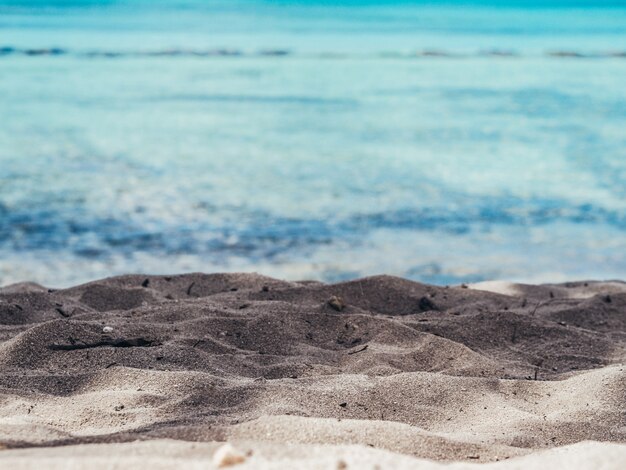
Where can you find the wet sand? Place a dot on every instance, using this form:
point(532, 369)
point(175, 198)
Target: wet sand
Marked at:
point(381, 371)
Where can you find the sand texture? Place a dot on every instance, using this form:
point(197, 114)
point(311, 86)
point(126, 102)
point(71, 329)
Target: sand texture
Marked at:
point(379, 372)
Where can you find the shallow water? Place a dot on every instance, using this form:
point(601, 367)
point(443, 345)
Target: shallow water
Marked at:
point(177, 136)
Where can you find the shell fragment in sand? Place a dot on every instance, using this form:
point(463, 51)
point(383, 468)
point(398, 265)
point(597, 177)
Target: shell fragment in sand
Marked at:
point(227, 455)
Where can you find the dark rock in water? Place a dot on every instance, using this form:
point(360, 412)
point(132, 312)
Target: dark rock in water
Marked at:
point(218, 53)
point(105, 54)
point(498, 53)
point(51, 51)
point(7, 50)
point(166, 52)
point(571, 54)
point(434, 53)
point(274, 52)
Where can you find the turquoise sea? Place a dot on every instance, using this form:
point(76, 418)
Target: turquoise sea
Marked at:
point(445, 142)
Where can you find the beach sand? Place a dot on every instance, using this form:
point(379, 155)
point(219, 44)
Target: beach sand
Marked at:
point(381, 372)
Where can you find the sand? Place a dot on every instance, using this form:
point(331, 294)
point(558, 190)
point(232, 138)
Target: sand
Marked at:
point(379, 372)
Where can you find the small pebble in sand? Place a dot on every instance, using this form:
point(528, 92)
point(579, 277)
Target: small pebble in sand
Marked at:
point(227, 455)
point(107, 329)
point(336, 303)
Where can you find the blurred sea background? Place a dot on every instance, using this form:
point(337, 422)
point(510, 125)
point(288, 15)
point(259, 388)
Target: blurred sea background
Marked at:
point(446, 142)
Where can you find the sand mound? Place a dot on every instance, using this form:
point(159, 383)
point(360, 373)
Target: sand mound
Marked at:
point(379, 367)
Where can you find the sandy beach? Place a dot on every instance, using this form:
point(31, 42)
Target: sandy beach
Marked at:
point(380, 372)
point(280, 234)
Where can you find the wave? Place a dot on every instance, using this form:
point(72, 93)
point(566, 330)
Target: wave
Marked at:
point(234, 52)
point(264, 235)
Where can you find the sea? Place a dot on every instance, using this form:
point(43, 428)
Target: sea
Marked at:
point(445, 142)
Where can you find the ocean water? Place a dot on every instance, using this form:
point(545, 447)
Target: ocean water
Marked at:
point(444, 142)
